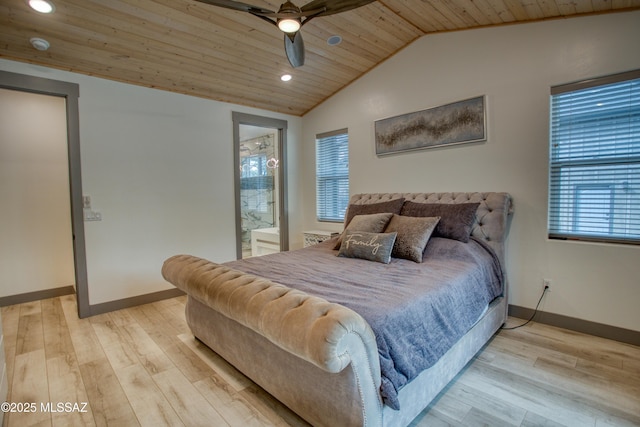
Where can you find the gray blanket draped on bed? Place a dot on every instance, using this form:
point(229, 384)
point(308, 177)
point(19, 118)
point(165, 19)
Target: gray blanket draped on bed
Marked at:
point(416, 310)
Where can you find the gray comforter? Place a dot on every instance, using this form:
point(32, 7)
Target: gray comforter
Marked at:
point(416, 310)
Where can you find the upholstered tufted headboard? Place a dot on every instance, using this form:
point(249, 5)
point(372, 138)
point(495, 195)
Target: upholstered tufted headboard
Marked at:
point(491, 216)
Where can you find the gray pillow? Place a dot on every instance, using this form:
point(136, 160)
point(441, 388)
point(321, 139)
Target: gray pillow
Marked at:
point(372, 223)
point(370, 246)
point(456, 219)
point(392, 206)
point(413, 235)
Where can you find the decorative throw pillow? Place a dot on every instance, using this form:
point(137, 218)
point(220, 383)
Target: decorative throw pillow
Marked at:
point(392, 206)
point(371, 246)
point(456, 219)
point(413, 235)
point(372, 223)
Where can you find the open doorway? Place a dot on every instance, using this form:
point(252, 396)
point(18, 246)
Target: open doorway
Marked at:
point(261, 214)
point(36, 250)
point(70, 93)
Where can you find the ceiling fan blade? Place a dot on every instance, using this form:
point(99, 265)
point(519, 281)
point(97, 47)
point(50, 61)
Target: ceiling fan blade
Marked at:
point(236, 5)
point(258, 11)
point(294, 48)
point(333, 6)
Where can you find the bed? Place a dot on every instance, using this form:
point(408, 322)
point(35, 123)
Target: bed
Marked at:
point(347, 341)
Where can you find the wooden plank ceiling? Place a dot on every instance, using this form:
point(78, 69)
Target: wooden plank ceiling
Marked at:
point(196, 49)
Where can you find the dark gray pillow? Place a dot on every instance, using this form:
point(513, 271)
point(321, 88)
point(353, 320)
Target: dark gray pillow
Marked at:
point(392, 206)
point(370, 246)
point(456, 219)
point(372, 223)
point(413, 235)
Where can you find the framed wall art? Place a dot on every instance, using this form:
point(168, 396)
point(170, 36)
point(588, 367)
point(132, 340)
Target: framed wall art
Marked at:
point(460, 122)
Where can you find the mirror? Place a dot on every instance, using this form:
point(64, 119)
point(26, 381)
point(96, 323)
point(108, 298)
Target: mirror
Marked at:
point(261, 217)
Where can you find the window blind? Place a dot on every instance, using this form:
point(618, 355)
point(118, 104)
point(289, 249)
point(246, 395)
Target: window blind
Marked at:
point(594, 160)
point(332, 175)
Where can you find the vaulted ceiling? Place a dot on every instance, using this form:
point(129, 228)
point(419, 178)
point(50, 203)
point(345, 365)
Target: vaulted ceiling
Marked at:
point(197, 49)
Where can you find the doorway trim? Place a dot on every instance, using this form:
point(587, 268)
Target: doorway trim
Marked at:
point(267, 122)
point(71, 93)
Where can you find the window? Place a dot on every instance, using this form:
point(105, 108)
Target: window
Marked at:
point(332, 175)
point(252, 166)
point(594, 160)
point(256, 184)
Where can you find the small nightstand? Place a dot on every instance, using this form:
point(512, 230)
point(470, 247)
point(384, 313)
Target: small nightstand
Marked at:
point(314, 237)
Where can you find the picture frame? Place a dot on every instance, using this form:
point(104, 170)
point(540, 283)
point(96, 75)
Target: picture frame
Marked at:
point(459, 122)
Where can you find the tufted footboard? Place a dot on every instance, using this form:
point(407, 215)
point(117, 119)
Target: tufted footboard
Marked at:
point(324, 364)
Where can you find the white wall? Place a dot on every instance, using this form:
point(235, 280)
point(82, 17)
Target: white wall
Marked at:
point(159, 168)
point(514, 66)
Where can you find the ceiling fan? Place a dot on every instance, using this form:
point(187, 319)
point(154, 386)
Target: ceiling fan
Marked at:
point(290, 18)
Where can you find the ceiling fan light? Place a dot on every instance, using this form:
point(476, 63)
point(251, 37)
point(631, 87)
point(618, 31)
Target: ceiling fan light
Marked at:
point(289, 25)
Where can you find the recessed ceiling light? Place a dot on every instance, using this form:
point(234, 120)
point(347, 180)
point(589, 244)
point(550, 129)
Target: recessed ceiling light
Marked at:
point(40, 44)
point(334, 40)
point(285, 77)
point(42, 6)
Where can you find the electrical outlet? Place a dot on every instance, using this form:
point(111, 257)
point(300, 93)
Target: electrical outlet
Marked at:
point(546, 284)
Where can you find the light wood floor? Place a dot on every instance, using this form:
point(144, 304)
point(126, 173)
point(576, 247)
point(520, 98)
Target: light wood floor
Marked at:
point(141, 366)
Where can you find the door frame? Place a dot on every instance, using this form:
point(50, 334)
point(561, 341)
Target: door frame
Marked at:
point(71, 93)
point(281, 126)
